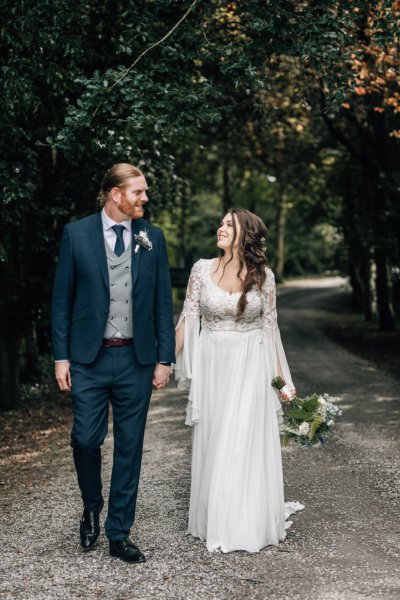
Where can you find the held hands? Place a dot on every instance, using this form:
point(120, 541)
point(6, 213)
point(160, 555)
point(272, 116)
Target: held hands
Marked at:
point(63, 375)
point(161, 376)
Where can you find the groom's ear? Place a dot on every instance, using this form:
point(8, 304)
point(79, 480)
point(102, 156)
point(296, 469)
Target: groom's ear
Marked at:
point(115, 195)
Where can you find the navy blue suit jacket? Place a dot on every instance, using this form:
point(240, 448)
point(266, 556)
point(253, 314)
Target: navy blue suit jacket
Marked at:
point(81, 295)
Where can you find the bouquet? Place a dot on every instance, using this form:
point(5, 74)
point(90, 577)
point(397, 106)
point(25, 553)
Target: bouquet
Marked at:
point(309, 419)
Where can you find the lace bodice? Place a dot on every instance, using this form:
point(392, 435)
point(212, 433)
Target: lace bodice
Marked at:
point(217, 308)
point(211, 310)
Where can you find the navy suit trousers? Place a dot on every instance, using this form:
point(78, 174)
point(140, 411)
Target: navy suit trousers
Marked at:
point(117, 377)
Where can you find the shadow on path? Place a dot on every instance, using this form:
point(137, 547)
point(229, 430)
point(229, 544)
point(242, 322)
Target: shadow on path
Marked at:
point(343, 545)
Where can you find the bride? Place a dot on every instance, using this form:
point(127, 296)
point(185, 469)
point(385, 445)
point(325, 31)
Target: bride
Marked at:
point(228, 352)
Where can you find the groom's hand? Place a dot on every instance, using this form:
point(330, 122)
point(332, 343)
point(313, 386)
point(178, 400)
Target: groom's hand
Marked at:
point(63, 375)
point(161, 376)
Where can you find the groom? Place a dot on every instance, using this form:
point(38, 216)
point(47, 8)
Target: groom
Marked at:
point(113, 340)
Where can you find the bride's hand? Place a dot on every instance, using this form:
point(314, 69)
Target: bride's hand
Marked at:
point(287, 397)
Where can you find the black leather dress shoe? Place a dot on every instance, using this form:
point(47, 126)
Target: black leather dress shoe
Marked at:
point(127, 551)
point(90, 527)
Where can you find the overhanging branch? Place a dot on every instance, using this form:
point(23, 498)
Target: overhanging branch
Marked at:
point(154, 45)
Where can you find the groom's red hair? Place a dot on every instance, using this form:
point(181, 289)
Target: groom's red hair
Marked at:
point(117, 176)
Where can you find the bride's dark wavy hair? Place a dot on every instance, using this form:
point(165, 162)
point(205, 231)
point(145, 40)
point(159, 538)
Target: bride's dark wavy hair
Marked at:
point(251, 252)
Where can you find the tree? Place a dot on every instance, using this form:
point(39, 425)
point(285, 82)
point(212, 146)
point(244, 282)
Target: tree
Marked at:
point(367, 124)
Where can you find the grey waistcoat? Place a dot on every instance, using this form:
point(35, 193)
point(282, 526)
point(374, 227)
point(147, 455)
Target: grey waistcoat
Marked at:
point(120, 314)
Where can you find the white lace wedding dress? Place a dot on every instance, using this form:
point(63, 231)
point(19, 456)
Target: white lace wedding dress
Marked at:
point(236, 500)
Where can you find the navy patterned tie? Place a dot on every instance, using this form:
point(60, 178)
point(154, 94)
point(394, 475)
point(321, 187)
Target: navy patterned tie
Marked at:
point(119, 244)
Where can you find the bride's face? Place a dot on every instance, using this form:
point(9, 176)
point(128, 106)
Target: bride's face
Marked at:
point(225, 232)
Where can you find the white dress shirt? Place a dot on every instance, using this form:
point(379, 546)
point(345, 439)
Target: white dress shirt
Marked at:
point(109, 234)
point(111, 237)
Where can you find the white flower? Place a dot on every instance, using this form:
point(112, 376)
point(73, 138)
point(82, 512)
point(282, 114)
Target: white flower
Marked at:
point(142, 239)
point(304, 428)
point(287, 429)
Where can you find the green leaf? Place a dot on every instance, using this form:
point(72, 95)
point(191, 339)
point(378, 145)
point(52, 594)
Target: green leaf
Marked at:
point(310, 404)
point(300, 415)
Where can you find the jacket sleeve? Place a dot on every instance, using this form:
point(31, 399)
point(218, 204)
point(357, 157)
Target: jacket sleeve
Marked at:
point(163, 308)
point(62, 299)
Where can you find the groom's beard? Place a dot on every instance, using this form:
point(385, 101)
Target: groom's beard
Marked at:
point(129, 209)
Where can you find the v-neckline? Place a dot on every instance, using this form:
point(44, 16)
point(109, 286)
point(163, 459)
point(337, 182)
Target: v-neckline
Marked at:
point(230, 294)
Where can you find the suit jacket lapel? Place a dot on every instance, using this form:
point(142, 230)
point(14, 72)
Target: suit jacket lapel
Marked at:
point(99, 248)
point(135, 255)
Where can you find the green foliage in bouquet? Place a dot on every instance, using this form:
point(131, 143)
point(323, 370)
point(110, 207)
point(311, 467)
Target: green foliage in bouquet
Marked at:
point(309, 419)
point(303, 410)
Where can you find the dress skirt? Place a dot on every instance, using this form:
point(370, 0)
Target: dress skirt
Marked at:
point(236, 500)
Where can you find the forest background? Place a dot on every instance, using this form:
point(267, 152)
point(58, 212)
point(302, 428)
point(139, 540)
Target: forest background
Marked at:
point(288, 108)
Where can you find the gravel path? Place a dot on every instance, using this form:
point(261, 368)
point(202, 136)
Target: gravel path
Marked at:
point(344, 545)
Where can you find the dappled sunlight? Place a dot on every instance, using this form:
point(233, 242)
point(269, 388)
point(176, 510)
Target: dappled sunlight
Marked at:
point(378, 398)
point(163, 412)
point(317, 282)
point(24, 458)
point(170, 419)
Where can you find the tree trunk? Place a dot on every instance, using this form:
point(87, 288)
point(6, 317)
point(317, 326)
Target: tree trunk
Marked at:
point(32, 368)
point(182, 259)
point(357, 296)
point(396, 296)
point(9, 373)
point(360, 280)
point(385, 310)
point(226, 194)
point(182, 246)
point(366, 278)
point(281, 226)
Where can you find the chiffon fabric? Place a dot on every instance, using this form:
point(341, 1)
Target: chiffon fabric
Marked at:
point(228, 364)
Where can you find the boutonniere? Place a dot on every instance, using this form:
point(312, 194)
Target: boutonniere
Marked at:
point(142, 239)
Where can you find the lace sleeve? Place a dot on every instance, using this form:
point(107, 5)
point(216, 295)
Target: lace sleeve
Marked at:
point(191, 306)
point(270, 316)
point(271, 329)
point(187, 338)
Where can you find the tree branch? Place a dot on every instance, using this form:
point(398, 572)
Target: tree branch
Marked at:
point(336, 132)
point(154, 45)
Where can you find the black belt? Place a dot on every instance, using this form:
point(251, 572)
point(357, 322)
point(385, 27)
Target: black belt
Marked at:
point(110, 343)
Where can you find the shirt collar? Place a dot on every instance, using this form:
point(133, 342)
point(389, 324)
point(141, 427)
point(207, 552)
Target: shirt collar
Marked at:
point(108, 223)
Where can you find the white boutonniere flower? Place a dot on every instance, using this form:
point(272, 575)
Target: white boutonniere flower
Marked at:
point(142, 239)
